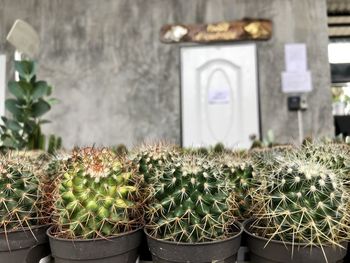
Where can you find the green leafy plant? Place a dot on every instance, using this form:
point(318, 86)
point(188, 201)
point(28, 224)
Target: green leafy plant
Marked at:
point(191, 201)
point(97, 195)
point(22, 185)
point(303, 202)
point(30, 102)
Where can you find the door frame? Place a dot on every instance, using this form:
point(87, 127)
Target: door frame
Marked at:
point(257, 80)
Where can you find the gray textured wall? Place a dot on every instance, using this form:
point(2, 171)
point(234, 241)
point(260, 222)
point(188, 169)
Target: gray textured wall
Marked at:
point(118, 83)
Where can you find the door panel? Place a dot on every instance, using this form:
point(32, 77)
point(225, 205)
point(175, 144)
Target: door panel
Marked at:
point(219, 91)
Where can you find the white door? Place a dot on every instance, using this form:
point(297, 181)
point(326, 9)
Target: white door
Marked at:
point(219, 95)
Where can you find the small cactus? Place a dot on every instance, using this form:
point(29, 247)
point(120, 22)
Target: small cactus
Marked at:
point(121, 150)
point(96, 196)
point(21, 191)
point(192, 201)
point(150, 159)
point(239, 171)
point(219, 148)
point(333, 155)
point(302, 201)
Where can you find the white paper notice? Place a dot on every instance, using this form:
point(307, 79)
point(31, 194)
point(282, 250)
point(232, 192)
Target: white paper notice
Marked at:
point(294, 82)
point(219, 96)
point(295, 57)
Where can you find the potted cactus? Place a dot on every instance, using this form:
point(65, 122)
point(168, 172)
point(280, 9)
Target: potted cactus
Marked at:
point(23, 212)
point(149, 160)
point(238, 169)
point(98, 210)
point(302, 213)
point(190, 217)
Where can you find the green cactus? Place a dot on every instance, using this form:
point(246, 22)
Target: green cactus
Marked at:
point(21, 192)
point(201, 150)
point(121, 149)
point(151, 158)
point(219, 148)
point(192, 201)
point(302, 201)
point(96, 196)
point(239, 171)
point(333, 155)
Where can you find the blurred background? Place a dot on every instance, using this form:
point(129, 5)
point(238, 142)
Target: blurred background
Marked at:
point(118, 83)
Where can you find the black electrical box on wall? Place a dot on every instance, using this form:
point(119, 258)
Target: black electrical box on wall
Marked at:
point(297, 102)
point(294, 103)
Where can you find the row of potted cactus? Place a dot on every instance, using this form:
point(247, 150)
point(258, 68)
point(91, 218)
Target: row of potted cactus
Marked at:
point(291, 204)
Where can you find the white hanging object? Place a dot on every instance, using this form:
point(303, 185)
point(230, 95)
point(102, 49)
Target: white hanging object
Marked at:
point(24, 38)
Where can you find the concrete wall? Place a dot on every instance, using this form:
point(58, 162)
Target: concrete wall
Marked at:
point(118, 83)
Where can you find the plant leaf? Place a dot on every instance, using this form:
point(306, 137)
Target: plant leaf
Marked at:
point(53, 101)
point(16, 89)
point(9, 142)
point(12, 106)
point(40, 108)
point(40, 89)
point(25, 68)
point(13, 125)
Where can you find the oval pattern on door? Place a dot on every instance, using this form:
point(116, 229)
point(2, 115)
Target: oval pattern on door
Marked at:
point(218, 107)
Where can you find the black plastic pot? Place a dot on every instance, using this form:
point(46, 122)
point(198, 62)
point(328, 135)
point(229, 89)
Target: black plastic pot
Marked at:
point(24, 246)
point(144, 253)
point(223, 251)
point(281, 252)
point(121, 248)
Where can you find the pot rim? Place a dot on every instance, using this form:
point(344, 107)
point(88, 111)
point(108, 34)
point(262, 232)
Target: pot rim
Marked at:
point(247, 221)
point(237, 224)
point(48, 233)
point(24, 229)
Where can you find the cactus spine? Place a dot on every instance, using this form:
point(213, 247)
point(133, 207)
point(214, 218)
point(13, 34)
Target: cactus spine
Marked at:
point(150, 159)
point(239, 172)
point(192, 201)
point(96, 196)
point(301, 201)
point(21, 192)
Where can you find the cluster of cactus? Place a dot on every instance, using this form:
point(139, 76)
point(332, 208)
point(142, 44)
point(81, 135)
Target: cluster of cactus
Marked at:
point(192, 201)
point(218, 148)
point(97, 195)
point(239, 171)
point(302, 201)
point(21, 191)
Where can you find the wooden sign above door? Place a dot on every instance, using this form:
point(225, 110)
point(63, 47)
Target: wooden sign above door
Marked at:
point(246, 29)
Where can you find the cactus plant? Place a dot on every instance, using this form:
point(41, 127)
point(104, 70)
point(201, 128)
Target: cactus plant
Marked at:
point(302, 201)
point(219, 148)
point(238, 169)
point(192, 201)
point(21, 191)
point(150, 159)
point(333, 155)
point(121, 149)
point(97, 195)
